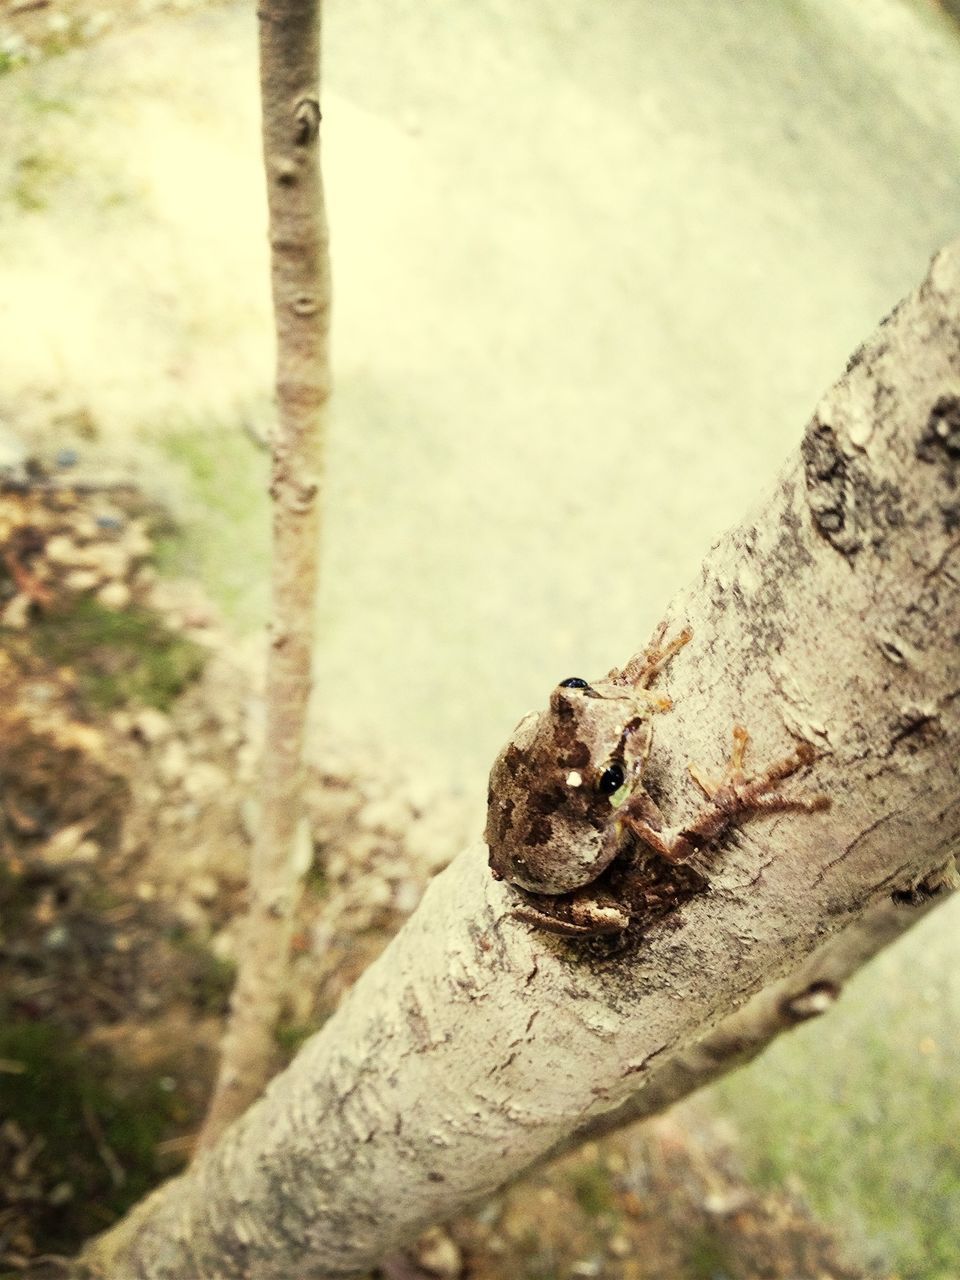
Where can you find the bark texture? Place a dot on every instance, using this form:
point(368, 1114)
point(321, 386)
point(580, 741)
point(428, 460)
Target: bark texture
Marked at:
point(478, 1045)
point(289, 84)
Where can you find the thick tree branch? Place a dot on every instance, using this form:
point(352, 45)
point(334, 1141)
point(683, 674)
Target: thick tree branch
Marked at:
point(478, 1044)
point(289, 85)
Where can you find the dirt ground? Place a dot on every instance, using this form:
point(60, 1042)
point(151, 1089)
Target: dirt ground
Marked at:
point(129, 743)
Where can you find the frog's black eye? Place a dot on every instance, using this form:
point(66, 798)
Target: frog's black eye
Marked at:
point(611, 780)
point(574, 682)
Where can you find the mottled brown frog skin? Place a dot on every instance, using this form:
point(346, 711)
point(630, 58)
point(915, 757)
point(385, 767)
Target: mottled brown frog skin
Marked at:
point(566, 799)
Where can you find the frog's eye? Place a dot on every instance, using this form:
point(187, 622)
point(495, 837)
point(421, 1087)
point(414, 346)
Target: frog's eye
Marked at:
point(611, 780)
point(574, 682)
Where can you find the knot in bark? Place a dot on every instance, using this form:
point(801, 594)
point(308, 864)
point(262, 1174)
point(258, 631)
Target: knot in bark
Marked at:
point(307, 118)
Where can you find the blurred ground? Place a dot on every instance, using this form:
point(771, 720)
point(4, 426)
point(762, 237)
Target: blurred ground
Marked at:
point(594, 266)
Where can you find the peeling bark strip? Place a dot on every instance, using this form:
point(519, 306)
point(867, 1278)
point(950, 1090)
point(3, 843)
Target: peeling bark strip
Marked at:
point(289, 84)
point(476, 1045)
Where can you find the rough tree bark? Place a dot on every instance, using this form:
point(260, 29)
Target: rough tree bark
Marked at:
point(478, 1045)
point(289, 86)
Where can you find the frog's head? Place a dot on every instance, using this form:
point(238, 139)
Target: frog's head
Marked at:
point(555, 786)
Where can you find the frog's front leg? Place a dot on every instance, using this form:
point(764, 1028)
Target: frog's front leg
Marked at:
point(582, 914)
point(736, 796)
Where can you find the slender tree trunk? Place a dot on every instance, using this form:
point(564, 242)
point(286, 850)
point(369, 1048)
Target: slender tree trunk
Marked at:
point(477, 1044)
point(289, 85)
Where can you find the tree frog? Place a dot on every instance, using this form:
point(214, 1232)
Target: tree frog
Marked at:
point(571, 825)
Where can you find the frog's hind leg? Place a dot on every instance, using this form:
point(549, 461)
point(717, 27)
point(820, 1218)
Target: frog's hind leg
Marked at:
point(642, 670)
point(736, 796)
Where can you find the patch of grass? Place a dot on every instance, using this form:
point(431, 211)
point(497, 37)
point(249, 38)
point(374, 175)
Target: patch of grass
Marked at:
point(98, 1132)
point(43, 104)
point(33, 176)
point(863, 1107)
point(290, 1035)
point(708, 1258)
point(119, 656)
point(224, 537)
point(315, 880)
point(592, 1187)
point(210, 978)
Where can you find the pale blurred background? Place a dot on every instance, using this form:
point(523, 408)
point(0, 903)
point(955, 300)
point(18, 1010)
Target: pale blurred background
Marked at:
point(595, 261)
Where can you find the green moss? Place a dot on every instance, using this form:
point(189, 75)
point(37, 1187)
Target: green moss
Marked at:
point(593, 1188)
point(99, 1131)
point(119, 656)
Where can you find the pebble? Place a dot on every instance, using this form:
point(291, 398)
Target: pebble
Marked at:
point(204, 780)
point(620, 1246)
point(151, 725)
point(204, 888)
point(406, 897)
point(80, 580)
point(114, 595)
point(439, 1254)
point(173, 763)
point(373, 891)
point(16, 613)
point(191, 914)
point(62, 847)
point(62, 550)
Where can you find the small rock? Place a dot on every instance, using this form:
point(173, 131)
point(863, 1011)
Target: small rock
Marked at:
point(406, 897)
point(151, 725)
point(204, 888)
point(109, 559)
point(223, 945)
point(373, 891)
point(63, 550)
point(438, 1254)
point(173, 764)
point(146, 891)
point(137, 544)
point(80, 580)
point(204, 780)
point(16, 613)
point(114, 595)
point(66, 457)
point(63, 846)
point(190, 914)
point(619, 1246)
